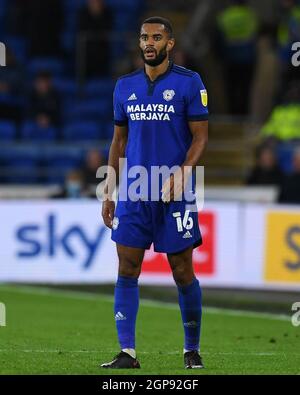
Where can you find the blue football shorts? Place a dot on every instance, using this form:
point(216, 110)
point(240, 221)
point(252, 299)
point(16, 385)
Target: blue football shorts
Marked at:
point(171, 227)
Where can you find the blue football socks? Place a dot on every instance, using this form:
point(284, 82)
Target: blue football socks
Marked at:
point(126, 308)
point(190, 302)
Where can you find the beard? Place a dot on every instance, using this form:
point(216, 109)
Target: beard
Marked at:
point(160, 57)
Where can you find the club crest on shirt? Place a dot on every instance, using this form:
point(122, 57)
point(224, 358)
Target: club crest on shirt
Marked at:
point(204, 98)
point(168, 94)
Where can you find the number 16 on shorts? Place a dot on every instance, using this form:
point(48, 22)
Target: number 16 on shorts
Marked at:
point(185, 223)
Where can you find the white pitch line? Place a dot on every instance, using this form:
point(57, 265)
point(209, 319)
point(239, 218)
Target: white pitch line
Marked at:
point(262, 354)
point(148, 303)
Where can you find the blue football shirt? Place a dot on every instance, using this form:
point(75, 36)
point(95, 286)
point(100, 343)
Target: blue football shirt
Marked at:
point(157, 115)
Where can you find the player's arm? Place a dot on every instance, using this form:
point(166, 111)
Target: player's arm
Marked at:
point(197, 117)
point(117, 151)
point(199, 130)
point(173, 189)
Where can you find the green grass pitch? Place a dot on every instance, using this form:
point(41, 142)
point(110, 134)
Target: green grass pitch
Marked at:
point(61, 332)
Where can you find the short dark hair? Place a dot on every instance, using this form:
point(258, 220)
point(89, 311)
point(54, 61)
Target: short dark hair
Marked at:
point(162, 21)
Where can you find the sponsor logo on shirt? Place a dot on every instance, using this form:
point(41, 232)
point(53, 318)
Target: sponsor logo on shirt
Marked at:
point(150, 112)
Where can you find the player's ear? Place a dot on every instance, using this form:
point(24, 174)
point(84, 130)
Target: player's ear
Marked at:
point(171, 43)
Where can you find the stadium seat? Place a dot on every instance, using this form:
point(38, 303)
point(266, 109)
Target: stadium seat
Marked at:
point(52, 65)
point(7, 98)
point(58, 161)
point(65, 87)
point(285, 157)
point(89, 110)
point(124, 4)
point(8, 131)
point(18, 46)
point(21, 164)
point(3, 12)
point(99, 87)
point(31, 131)
point(68, 40)
point(108, 130)
point(82, 131)
point(73, 5)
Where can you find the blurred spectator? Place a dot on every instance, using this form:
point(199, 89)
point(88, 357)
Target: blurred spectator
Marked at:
point(290, 191)
point(201, 49)
point(237, 29)
point(94, 160)
point(74, 187)
point(44, 104)
point(266, 75)
point(284, 122)
point(95, 25)
point(44, 24)
point(266, 170)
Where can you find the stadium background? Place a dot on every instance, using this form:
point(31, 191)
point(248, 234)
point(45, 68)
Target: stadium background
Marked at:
point(63, 57)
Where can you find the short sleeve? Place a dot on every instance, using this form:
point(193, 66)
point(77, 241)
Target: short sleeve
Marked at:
point(197, 100)
point(120, 117)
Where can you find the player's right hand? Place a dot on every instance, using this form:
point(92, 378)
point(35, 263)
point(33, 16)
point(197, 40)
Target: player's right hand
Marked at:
point(108, 212)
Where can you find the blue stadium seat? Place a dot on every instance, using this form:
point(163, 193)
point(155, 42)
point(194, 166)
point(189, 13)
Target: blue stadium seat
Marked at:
point(108, 130)
point(3, 11)
point(59, 161)
point(65, 87)
point(82, 131)
point(64, 157)
point(68, 40)
point(8, 131)
point(73, 5)
point(53, 65)
point(99, 87)
point(33, 132)
point(124, 4)
point(285, 156)
point(89, 110)
point(18, 47)
point(21, 164)
point(12, 100)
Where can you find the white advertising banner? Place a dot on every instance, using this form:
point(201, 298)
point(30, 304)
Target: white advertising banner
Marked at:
point(66, 242)
point(55, 242)
point(244, 245)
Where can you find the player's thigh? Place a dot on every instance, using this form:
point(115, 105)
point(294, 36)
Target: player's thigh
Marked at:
point(181, 264)
point(130, 260)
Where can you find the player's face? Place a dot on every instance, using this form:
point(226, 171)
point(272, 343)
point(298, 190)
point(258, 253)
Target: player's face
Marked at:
point(155, 43)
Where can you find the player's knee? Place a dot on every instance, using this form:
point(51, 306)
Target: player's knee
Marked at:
point(179, 274)
point(129, 267)
point(182, 273)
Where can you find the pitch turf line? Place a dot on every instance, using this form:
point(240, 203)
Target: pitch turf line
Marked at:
point(147, 303)
point(262, 354)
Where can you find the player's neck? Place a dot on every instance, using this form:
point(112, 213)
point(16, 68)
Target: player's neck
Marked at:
point(154, 72)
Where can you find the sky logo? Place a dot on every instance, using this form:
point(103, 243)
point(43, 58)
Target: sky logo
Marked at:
point(73, 241)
